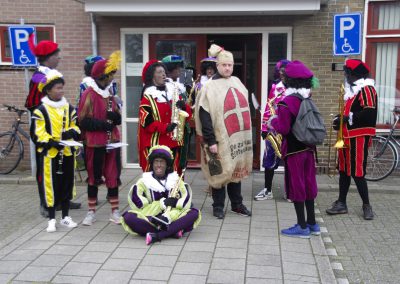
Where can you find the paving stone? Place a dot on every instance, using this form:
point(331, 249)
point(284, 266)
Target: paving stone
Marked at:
point(129, 253)
point(149, 273)
point(123, 264)
point(199, 246)
point(263, 281)
point(91, 256)
point(12, 266)
point(264, 271)
point(139, 281)
point(80, 269)
point(23, 254)
point(40, 245)
point(165, 250)
point(71, 279)
point(192, 279)
point(189, 268)
point(35, 273)
point(101, 246)
point(299, 268)
point(79, 240)
point(209, 237)
point(195, 256)
point(234, 234)
point(265, 249)
point(325, 269)
point(133, 242)
point(305, 247)
point(6, 278)
point(159, 260)
point(109, 237)
point(263, 259)
point(232, 243)
point(307, 258)
point(51, 260)
point(230, 253)
point(225, 264)
point(64, 249)
point(108, 276)
point(225, 276)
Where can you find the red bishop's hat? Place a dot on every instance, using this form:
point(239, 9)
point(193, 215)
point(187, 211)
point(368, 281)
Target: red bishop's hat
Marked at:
point(99, 68)
point(43, 48)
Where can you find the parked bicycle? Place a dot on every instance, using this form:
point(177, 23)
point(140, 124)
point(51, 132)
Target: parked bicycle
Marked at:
point(11, 146)
point(383, 155)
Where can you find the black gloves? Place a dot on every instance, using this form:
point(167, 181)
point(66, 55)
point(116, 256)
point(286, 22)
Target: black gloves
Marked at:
point(181, 105)
point(264, 134)
point(92, 124)
point(170, 202)
point(336, 121)
point(108, 126)
point(69, 134)
point(115, 117)
point(171, 127)
point(54, 144)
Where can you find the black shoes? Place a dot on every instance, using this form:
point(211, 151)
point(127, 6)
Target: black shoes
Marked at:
point(218, 212)
point(338, 207)
point(368, 213)
point(241, 210)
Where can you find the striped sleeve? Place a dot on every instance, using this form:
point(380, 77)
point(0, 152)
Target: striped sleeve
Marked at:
point(185, 200)
point(368, 97)
point(38, 131)
point(136, 196)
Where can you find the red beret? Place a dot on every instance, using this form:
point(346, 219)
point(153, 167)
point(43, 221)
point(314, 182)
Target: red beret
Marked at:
point(44, 48)
point(99, 68)
point(146, 67)
point(356, 66)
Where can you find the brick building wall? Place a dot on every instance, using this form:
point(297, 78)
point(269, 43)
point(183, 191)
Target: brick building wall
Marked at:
point(72, 33)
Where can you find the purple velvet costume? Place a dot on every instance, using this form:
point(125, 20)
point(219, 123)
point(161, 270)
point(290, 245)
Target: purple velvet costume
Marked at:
point(300, 170)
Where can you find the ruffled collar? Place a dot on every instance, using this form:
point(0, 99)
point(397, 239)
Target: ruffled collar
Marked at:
point(90, 82)
point(153, 184)
point(160, 95)
point(61, 103)
point(180, 86)
point(44, 69)
point(351, 91)
point(305, 93)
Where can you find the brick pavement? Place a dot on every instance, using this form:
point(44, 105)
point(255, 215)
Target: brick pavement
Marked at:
point(234, 250)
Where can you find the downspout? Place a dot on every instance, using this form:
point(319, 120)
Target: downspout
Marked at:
point(364, 38)
point(94, 34)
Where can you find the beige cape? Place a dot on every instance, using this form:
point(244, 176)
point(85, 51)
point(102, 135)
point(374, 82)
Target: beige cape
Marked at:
point(226, 100)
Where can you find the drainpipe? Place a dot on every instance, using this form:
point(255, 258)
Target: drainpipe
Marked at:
point(94, 34)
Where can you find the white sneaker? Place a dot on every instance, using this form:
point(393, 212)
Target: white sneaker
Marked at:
point(89, 219)
point(51, 227)
point(115, 217)
point(67, 222)
point(263, 195)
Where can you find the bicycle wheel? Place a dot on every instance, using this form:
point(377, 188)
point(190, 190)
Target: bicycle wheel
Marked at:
point(11, 151)
point(380, 165)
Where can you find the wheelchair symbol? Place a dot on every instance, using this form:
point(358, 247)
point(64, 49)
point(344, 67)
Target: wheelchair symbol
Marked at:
point(346, 47)
point(23, 58)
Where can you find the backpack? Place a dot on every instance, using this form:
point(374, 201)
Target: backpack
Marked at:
point(309, 127)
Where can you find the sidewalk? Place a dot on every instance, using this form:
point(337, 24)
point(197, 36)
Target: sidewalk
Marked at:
point(234, 250)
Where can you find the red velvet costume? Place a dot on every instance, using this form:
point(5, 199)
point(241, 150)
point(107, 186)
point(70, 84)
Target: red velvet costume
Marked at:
point(154, 118)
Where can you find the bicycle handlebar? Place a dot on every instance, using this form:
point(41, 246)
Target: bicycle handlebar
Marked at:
point(15, 109)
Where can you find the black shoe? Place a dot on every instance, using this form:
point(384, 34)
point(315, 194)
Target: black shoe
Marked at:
point(338, 207)
point(241, 210)
point(74, 205)
point(368, 213)
point(218, 212)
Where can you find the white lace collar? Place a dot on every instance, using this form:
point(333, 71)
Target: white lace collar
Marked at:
point(90, 82)
point(305, 93)
point(160, 95)
point(44, 69)
point(61, 103)
point(351, 91)
point(151, 183)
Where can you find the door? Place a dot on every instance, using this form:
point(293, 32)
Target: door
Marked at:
point(192, 48)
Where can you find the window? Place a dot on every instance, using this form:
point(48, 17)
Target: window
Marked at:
point(383, 56)
point(42, 33)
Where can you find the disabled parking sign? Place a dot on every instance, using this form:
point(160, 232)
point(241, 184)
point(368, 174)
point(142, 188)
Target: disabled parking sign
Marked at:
point(20, 52)
point(347, 34)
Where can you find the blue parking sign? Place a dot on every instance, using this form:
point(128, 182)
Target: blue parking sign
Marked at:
point(20, 52)
point(347, 34)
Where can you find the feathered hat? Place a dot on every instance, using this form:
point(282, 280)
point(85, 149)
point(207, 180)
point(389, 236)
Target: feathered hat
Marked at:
point(220, 53)
point(50, 77)
point(106, 66)
point(43, 48)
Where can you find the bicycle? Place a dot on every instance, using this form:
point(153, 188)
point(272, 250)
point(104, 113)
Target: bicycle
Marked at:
point(383, 155)
point(11, 146)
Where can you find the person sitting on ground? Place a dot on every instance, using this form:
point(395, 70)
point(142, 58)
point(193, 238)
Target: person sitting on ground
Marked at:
point(153, 212)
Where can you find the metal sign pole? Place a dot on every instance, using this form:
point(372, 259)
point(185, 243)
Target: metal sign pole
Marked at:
point(31, 144)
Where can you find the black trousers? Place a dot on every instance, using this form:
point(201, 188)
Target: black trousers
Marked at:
point(234, 193)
